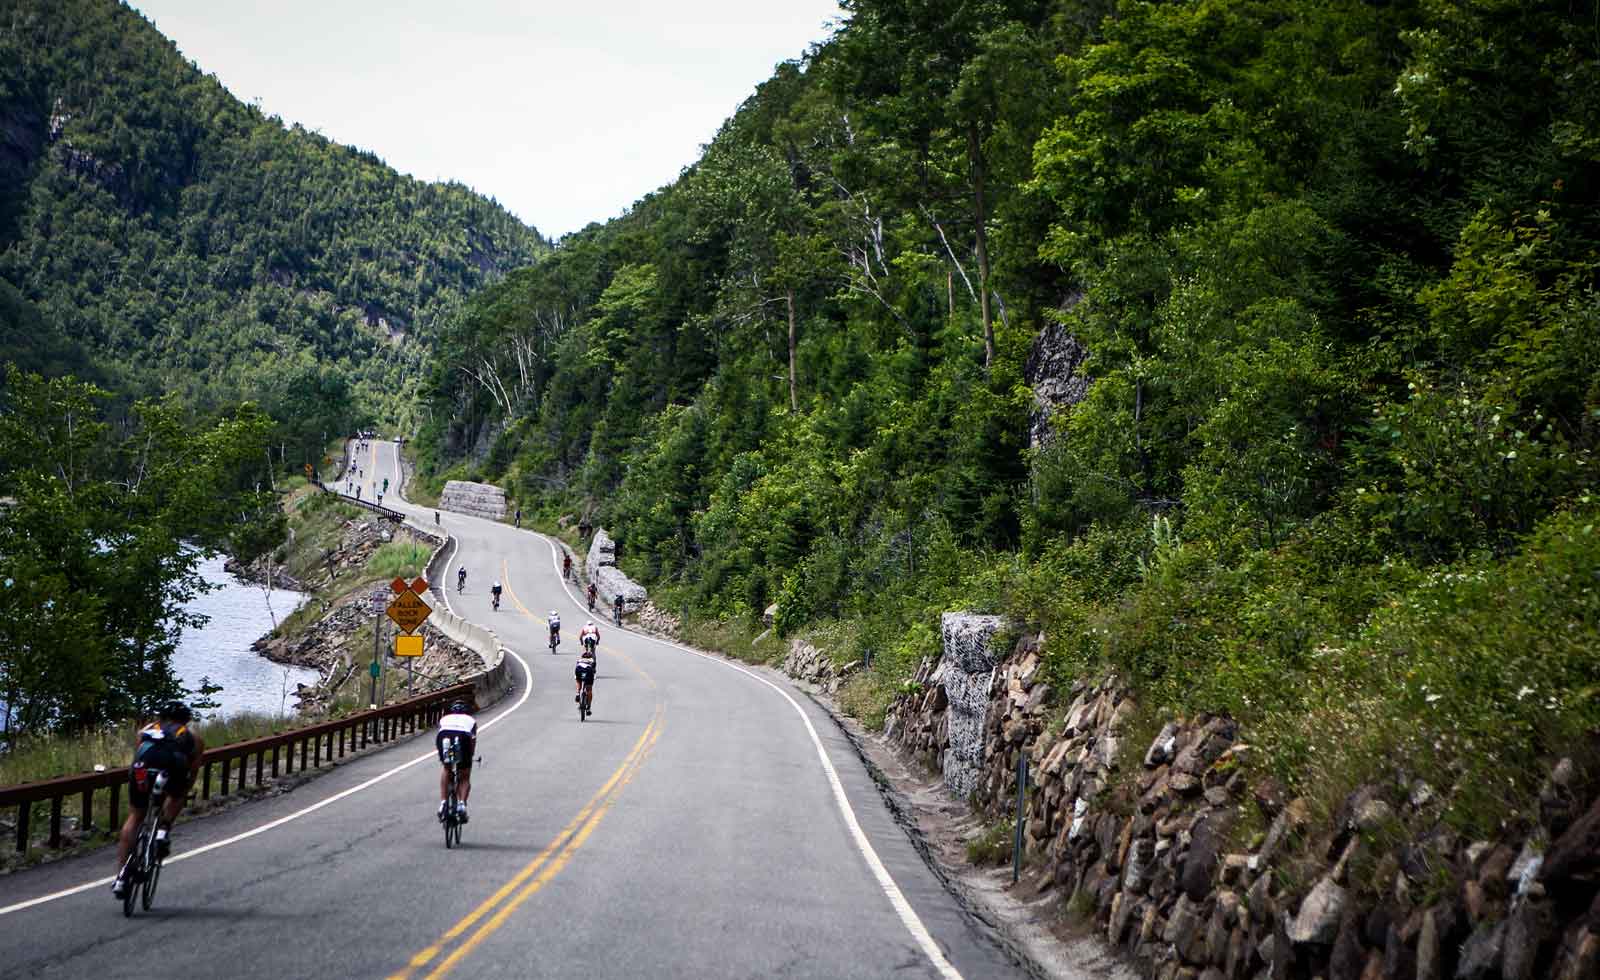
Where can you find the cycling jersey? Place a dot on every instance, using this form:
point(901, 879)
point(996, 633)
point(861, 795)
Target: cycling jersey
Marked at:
point(168, 748)
point(462, 729)
point(584, 670)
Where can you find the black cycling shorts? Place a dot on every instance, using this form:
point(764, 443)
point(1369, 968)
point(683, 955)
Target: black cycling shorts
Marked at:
point(142, 778)
point(466, 745)
point(584, 673)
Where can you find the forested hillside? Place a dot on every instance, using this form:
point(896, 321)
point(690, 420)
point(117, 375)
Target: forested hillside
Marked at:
point(168, 237)
point(1251, 348)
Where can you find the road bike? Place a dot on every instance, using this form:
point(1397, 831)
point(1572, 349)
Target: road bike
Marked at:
point(555, 640)
point(143, 870)
point(495, 600)
point(583, 700)
point(451, 818)
point(461, 583)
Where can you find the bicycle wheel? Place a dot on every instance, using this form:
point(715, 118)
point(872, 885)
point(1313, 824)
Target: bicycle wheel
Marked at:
point(147, 891)
point(451, 827)
point(130, 879)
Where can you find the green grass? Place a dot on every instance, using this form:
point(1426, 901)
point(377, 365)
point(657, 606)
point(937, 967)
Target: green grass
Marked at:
point(994, 845)
point(405, 559)
point(734, 638)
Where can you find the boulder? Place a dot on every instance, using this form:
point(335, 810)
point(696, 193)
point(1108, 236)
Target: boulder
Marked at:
point(1052, 370)
point(1319, 915)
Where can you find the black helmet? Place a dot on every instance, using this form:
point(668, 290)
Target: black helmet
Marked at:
point(175, 711)
point(460, 708)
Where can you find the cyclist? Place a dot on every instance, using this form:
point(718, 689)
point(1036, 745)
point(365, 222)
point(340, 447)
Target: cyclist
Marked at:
point(460, 728)
point(566, 565)
point(494, 590)
point(589, 636)
point(616, 606)
point(555, 629)
point(461, 578)
point(592, 593)
point(584, 673)
point(165, 745)
point(519, 517)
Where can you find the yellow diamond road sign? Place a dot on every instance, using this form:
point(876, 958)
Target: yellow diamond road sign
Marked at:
point(408, 611)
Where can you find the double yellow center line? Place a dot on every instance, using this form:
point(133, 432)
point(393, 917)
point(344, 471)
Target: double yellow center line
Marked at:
point(497, 908)
point(463, 937)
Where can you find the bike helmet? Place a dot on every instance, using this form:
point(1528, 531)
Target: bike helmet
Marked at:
point(175, 711)
point(497, 583)
point(589, 624)
point(460, 708)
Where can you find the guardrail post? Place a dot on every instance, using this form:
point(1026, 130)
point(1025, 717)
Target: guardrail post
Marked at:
point(258, 767)
point(205, 783)
point(116, 808)
point(227, 770)
point(55, 821)
point(86, 811)
point(304, 749)
point(24, 811)
point(274, 762)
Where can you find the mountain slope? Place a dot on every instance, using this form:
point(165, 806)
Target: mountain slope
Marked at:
point(192, 244)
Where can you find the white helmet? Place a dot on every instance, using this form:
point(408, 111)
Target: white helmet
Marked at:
point(554, 614)
point(497, 583)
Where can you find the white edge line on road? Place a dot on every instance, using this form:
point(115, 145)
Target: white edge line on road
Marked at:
point(908, 915)
point(527, 689)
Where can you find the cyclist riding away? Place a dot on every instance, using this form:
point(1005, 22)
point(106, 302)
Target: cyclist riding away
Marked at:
point(494, 590)
point(461, 578)
point(616, 607)
point(460, 728)
point(566, 565)
point(555, 629)
point(165, 745)
point(584, 672)
point(589, 636)
point(592, 592)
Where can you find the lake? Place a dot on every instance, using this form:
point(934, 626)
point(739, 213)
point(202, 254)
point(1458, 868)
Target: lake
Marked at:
point(221, 648)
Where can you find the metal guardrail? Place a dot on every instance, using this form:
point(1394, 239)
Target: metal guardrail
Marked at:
point(325, 740)
point(355, 732)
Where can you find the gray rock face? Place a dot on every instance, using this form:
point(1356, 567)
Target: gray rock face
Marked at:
point(608, 578)
point(602, 550)
point(969, 669)
point(478, 499)
point(1053, 371)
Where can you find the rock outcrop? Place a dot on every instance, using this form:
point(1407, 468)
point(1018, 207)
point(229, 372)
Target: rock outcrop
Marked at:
point(478, 499)
point(601, 567)
point(1055, 373)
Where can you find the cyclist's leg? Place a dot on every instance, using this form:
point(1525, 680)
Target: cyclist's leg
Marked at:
point(130, 830)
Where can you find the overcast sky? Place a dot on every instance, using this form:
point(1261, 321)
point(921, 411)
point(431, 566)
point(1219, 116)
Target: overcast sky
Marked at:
point(565, 112)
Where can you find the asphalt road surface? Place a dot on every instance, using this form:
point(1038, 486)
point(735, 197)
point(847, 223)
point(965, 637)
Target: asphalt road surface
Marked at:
point(706, 821)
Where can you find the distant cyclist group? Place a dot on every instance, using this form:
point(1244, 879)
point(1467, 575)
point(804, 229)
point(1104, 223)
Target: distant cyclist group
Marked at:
point(168, 756)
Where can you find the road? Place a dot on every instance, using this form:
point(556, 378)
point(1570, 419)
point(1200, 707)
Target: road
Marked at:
point(707, 821)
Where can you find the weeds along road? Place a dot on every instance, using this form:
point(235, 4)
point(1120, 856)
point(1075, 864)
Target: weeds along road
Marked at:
point(707, 821)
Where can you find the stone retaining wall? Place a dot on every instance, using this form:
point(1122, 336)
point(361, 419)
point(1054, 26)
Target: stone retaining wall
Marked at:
point(1206, 873)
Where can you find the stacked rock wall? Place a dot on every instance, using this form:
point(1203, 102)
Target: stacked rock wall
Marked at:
point(601, 567)
point(1178, 856)
point(478, 499)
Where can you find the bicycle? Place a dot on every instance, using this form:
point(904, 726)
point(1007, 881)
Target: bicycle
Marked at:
point(452, 819)
point(495, 601)
point(143, 870)
point(461, 581)
point(583, 702)
point(555, 640)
